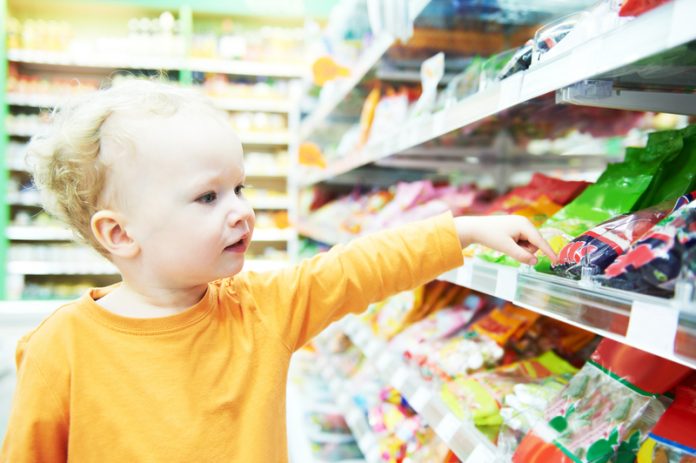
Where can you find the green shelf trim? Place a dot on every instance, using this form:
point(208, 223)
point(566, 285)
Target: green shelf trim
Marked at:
point(4, 207)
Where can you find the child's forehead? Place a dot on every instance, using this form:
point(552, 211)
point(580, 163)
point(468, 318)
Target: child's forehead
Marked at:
point(189, 129)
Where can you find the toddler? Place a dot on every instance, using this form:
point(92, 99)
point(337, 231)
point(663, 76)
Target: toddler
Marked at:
point(185, 360)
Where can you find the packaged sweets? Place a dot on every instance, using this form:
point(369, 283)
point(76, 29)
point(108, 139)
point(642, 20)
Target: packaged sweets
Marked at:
point(673, 439)
point(653, 264)
point(480, 395)
point(597, 248)
point(503, 324)
point(638, 7)
point(676, 174)
point(606, 410)
point(616, 192)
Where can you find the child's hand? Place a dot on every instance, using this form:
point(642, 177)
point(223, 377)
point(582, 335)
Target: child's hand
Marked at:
point(510, 234)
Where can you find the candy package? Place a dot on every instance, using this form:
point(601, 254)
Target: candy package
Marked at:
point(616, 192)
point(655, 262)
point(638, 7)
point(673, 438)
point(606, 410)
point(676, 174)
point(597, 248)
point(479, 396)
point(503, 324)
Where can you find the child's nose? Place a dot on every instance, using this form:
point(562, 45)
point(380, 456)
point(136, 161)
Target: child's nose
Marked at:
point(239, 211)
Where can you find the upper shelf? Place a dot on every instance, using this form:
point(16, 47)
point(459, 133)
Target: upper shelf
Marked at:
point(241, 68)
point(621, 315)
point(657, 31)
point(370, 57)
point(664, 327)
point(228, 104)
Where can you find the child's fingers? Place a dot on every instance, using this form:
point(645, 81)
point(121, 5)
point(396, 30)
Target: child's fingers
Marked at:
point(534, 237)
point(517, 252)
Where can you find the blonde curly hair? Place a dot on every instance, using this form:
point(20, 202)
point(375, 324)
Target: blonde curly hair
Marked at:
point(67, 162)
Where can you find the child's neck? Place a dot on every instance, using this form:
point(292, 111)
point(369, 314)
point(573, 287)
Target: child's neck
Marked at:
point(127, 301)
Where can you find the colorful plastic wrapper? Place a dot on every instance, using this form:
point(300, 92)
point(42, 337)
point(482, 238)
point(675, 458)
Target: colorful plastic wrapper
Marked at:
point(655, 262)
point(606, 410)
point(597, 248)
point(479, 396)
point(673, 439)
point(616, 192)
point(676, 174)
point(638, 7)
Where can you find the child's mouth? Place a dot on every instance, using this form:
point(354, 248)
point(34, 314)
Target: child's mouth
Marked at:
point(238, 247)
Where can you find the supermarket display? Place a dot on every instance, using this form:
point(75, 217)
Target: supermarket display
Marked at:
point(606, 410)
point(577, 115)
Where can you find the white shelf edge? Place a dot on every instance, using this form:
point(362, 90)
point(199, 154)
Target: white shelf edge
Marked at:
point(571, 302)
point(36, 233)
point(460, 436)
point(366, 62)
point(234, 67)
point(601, 54)
point(228, 104)
point(251, 104)
point(264, 265)
point(270, 204)
point(251, 138)
point(60, 268)
point(272, 234)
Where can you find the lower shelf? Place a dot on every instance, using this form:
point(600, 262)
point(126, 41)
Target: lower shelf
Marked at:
point(467, 443)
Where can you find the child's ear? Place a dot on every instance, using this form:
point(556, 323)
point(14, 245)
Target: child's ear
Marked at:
point(110, 231)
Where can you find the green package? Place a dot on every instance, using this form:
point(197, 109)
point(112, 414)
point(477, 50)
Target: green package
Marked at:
point(677, 174)
point(617, 191)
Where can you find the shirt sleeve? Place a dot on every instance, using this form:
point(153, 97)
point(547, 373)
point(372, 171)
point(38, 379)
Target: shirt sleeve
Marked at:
point(37, 430)
point(298, 302)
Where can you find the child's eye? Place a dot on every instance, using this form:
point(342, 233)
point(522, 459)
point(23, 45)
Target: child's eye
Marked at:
point(207, 198)
point(239, 190)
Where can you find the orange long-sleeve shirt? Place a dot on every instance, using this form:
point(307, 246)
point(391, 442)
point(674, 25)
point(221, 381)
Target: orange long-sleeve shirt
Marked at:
point(207, 384)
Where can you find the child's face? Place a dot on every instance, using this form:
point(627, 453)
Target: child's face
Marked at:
point(184, 201)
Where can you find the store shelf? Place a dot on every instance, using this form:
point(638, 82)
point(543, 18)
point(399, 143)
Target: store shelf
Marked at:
point(34, 233)
point(637, 100)
point(250, 104)
point(61, 268)
point(354, 416)
point(266, 173)
point(34, 100)
point(29, 312)
point(246, 68)
point(27, 132)
point(228, 104)
point(367, 61)
point(461, 437)
point(264, 265)
point(271, 234)
point(282, 138)
point(318, 234)
point(664, 327)
point(242, 68)
point(596, 56)
point(270, 203)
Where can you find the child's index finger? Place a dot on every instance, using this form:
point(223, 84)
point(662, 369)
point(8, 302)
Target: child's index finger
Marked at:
point(537, 240)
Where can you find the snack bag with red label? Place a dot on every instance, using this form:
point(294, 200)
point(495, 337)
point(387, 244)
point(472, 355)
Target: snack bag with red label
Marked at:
point(597, 248)
point(653, 264)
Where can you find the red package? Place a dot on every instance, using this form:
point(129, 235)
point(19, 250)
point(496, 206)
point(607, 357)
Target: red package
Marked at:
point(559, 191)
point(638, 7)
point(676, 426)
point(647, 371)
